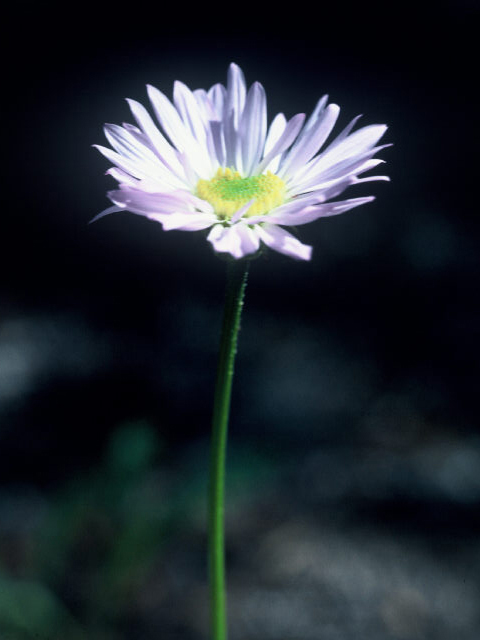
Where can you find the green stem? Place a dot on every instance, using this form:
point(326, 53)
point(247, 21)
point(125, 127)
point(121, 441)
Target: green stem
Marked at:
point(237, 272)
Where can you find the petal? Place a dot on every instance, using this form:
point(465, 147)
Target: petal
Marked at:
point(236, 92)
point(232, 111)
point(253, 127)
point(122, 176)
point(315, 115)
point(138, 169)
point(250, 242)
point(275, 130)
point(283, 242)
point(218, 142)
point(286, 138)
point(370, 179)
point(287, 209)
point(311, 213)
point(217, 95)
point(237, 240)
point(145, 203)
point(105, 212)
point(343, 134)
point(125, 143)
point(205, 105)
point(173, 211)
point(225, 240)
point(303, 150)
point(189, 111)
point(165, 151)
point(128, 146)
point(356, 144)
point(323, 174)
point(187, 221)
point(241, 212)
point(178, 133)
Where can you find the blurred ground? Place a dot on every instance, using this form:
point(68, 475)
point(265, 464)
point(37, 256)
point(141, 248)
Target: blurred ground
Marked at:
point(353, 510)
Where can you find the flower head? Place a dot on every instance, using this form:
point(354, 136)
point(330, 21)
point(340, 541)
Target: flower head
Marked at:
point(214, 164)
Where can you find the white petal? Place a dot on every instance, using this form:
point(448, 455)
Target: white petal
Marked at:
point(283, 242)
point(253, 127)
point(316, 113)
point(343, 134)
point(126, 144)
point(249, 240)
point(314, 118)
point(187, 221)
point(370, 179)
point(189, 111)
point(217, 95)
point(232, 111)
point(216, 129)
point(286, 138)
point(356, 144)
point(179, 134)
point(148, 203)
point(236, 92)
point(225, 240)
point(105, 212)
point(122, 176)
point(303, 150)
point(164, 150)
point(205, 105)
point(277, 127)
point(323, 173)
point(208, 115)
point(311, 213)
point(237, 240)
point(137, 169)
point(241, 212)
point(286, 209)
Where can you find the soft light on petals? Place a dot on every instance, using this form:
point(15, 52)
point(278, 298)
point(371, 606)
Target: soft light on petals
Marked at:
point(178, 132)
point(217, 95)
point(164, 150)
point(121, 176)
point(253, 128)
point(311, 213)
point(210, 161)
point(236, 93)
point(280, 240)
point(189, 110)
point(304, 150)
point(232, 111)
point(186, 221)
point(105, 212)
point(226, 240)
point(284, 140)
point(238, 241)
point(241, 212)
point(275, 130)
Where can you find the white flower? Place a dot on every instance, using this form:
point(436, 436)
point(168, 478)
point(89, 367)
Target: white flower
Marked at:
point(215, 164)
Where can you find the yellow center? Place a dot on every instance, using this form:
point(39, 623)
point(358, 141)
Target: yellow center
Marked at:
point(228, 192)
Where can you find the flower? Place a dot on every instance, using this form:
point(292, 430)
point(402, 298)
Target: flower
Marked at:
point(215, 165)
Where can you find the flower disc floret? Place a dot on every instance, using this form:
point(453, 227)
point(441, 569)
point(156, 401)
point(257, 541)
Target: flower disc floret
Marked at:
point(227, 192)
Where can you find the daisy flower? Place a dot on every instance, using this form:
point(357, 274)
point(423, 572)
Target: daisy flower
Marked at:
point(214, 163)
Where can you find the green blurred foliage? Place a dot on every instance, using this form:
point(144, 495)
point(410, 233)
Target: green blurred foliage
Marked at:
point(92, 552)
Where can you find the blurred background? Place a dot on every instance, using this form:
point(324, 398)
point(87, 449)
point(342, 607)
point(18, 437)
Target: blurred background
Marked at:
point(354, 452)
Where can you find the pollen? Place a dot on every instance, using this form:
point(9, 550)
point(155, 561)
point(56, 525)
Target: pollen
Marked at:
point(227, 192)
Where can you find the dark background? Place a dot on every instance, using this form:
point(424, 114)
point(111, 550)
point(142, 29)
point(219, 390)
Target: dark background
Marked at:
point(354, 445)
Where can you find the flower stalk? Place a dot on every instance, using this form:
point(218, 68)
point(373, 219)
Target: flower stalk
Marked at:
point(237, 272)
